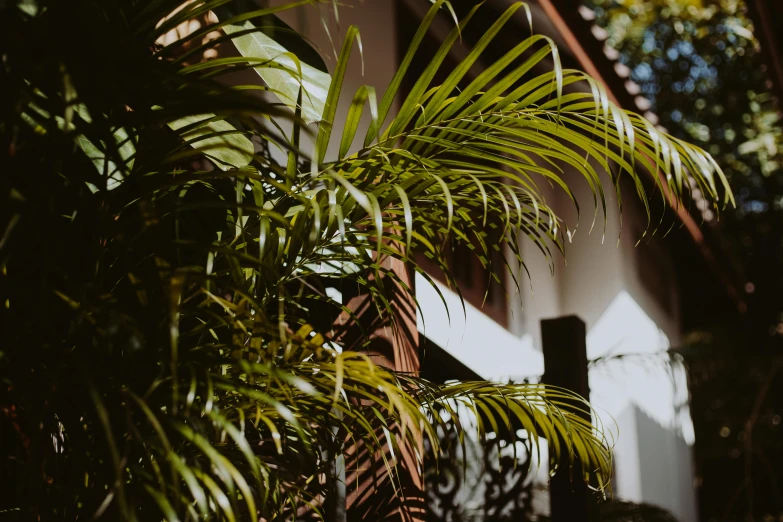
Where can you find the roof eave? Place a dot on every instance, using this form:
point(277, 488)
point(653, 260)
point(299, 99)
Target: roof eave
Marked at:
point(575, 31)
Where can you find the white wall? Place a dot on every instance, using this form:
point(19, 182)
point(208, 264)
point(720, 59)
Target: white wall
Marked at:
point(641, 400)
point(666, 466)
point(638, 398)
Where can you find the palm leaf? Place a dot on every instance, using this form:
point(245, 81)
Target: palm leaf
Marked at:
point(283, 72)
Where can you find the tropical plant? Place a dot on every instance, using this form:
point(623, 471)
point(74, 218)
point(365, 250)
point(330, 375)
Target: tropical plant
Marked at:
point(168, 242)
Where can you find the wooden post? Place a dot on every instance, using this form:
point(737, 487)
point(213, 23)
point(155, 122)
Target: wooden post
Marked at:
point(370, 496)
point(565, 365)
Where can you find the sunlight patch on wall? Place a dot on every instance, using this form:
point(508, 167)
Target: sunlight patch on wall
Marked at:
point(476, 340)
point(634, 369)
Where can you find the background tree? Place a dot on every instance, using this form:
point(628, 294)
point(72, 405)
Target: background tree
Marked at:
point(699, 65)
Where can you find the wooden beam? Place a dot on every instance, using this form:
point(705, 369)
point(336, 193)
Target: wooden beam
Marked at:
point(565, 365)
point(370, 494)
point(578, 50)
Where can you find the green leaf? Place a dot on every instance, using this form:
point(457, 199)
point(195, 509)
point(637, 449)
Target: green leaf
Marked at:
point(216, 138)
point(333, 96)
point(285, 74)
point(364, 94)
point(115, 173)
point(114, 160)
point(124, 143)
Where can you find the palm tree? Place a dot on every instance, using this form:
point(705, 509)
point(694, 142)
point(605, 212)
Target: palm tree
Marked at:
point(167, 243)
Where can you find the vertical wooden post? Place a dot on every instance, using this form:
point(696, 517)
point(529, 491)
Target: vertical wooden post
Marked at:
point(565, 365)
point(370, 496)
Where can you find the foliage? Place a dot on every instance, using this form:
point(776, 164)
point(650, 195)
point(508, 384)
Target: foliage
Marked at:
point(737, 419)
point(168, 340)
point(699, 64)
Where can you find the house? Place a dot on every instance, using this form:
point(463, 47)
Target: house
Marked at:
point(637, 292)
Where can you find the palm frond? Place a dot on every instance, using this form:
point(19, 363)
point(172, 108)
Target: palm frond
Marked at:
point(486, 148)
